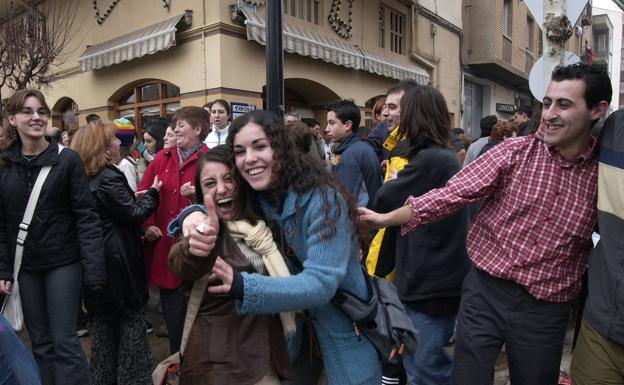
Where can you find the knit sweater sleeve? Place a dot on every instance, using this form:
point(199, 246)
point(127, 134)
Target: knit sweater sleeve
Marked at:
point(324, 260)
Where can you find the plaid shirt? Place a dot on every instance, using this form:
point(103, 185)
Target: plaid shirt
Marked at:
point(535, 222)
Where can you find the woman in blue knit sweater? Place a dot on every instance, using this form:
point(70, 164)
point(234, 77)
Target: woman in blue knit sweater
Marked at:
point(318, 223)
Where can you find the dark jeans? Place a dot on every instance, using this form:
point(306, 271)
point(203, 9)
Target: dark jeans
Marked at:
point(50, 300)
point(429, 364)
point(494, 312)
point(173, 302)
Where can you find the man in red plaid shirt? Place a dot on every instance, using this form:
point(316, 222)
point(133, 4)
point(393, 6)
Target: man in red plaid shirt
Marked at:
point(530, 239)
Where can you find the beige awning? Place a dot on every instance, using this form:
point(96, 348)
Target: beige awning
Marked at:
point(305, 42)
point(145, 41)
point(395, 69)
point(310, 43)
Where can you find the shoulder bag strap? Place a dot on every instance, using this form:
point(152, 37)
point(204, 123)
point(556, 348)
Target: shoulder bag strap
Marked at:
point(197, 294)
point(28, 214)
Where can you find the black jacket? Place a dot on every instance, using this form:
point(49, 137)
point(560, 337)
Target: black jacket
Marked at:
point(120, 217)
point(430, 261)
point(64, 228)
point(605, 302)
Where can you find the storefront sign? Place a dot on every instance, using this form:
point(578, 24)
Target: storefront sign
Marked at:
point(506, 108)
point(240, 109)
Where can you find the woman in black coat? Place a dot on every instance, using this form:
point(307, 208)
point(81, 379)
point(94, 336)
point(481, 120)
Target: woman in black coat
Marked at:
point(64, 244)
point(120, 350)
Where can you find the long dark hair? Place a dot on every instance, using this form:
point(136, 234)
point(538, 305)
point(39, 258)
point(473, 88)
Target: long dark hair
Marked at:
point(424, 119)
point(295, 170)
point(157, 131)
point(242, 205)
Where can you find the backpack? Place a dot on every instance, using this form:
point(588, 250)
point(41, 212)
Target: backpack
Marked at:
point(382, 319)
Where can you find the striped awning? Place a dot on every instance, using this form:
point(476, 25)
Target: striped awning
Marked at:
point(318, 46)
point(305, 43)
point(145, 41)
point(394, 69)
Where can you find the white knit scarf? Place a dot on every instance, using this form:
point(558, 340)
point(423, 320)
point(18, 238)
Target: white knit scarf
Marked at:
point(260, 239)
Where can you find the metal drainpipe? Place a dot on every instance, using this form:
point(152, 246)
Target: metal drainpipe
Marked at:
point(203, 42)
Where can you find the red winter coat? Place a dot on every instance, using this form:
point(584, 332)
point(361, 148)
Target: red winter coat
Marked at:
point(173, 176)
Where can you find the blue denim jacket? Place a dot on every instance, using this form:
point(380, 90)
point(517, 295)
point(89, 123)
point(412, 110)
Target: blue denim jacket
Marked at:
point(327, 264)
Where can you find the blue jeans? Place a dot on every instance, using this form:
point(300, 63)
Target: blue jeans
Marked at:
point(50, 299)
point(429, 364)
point(17, 367)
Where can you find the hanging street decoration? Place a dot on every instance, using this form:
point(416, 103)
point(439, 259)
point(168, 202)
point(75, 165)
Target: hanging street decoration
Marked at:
point(100, 17)
point(342, 28)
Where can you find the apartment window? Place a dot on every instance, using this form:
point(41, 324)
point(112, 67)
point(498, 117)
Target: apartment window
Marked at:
point(602, 43)
point(392, 29)
point(531, 37)
point(308, 10)
point(507, 17)
point(397, 32)
point(382, 28)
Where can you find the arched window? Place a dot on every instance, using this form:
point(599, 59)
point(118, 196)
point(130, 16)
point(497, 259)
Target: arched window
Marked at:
point(65, 114)
point(155, 100)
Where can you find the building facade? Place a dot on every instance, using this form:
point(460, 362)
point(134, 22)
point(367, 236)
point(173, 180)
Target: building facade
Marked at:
point(144, 59)
point(501, 43)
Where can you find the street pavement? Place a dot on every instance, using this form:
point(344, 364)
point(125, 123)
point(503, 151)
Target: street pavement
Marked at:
point(160, 347)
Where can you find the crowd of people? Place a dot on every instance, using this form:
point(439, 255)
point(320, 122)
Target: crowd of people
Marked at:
point(486, 240)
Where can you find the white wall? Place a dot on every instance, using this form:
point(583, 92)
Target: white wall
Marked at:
point(450, 10)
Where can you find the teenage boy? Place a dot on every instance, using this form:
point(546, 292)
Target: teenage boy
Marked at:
point(522, 117)
point(530, 239)
point(220, 116)
point(358, 168)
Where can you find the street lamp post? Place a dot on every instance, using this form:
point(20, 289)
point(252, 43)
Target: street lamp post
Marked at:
point(274, 58)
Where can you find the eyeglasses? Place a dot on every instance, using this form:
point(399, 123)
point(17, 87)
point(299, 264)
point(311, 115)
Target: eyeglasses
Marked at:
point(28, 112)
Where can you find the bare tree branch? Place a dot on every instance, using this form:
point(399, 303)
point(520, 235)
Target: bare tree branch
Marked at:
point(36, 34)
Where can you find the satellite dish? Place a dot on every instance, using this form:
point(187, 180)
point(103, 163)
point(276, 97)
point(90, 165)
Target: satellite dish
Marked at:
point(537, 82)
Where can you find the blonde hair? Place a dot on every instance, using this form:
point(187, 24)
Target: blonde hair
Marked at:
point(91, 143)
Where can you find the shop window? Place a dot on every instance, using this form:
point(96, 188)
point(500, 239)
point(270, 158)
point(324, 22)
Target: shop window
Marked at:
point(394, 22)
point(147, 102)
point(308, 10)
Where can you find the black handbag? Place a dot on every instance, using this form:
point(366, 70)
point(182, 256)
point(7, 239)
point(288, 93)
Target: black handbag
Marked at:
point(382, 319)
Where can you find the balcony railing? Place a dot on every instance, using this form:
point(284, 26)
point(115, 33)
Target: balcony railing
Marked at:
point(506, 49)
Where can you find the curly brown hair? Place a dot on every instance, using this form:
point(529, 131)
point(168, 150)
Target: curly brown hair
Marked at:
point(195, 117)
point(295, 170)
point(503, 129)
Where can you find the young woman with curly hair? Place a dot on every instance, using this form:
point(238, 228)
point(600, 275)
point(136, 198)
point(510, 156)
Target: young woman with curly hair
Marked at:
point(317, 220)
